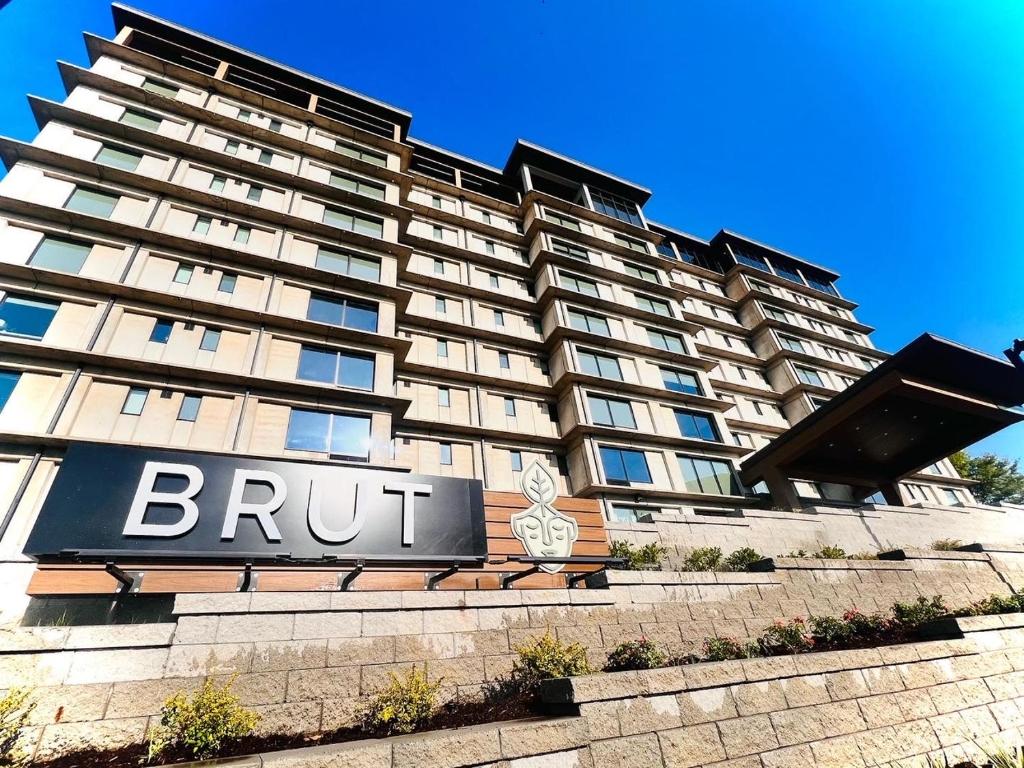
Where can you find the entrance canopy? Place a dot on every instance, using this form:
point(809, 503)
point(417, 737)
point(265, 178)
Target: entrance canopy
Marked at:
point(927, 401)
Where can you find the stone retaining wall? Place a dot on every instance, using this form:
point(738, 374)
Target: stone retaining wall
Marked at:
point(304, 659)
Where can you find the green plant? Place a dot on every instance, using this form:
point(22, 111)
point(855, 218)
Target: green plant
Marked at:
point(830, 552)
point(703, 559)
point(547, 658)
point(14, 712)
point(797, 553)
point(1003, 758)
point(201, 725)
point(741, 559)
point(786, 637)
point(725, 649)
point(829, 631)
point(637, 558)
point(994, 604)
point(635, 654)
point(404, 706)
point(947, 545)
point(912, 615)
point(866, 626)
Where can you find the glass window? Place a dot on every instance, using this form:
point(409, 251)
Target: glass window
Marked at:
point(446, 454)
point(254, 194)
point(510, 406)
point(809, 376)
point(61, 255)
point(631, 243)
point(624, 513)
point(751, 261)
point(8, 381)
point(189, 409)
point(444, 397)
point(92, 202)
point(347, 313)
point(681, 381)
point(699, 426)
point(778, 314)
point(275, 125)
point(442, 348)
point(353, 222)
point(118, 158)
point(611, 205)
point(217, 183)
point(657, 306)
point(642, 272)
point(787, 272)
point(499, 318)
point(142, 120)
point(440, 305)
point(161, 331)
point(438, 267)
point(516, 459)
point(211, 339)
point(22, 316)
point(163, 89)
point(604, 366)
point(357, 186)
point(183, 274)
point(667, 341)
point(665, 249)
point(232, 147)
point(489, 247)
point(494, 280)
point(579, 284)
point(341, 435)
point(351, 264)
point(708, 476)
point(623, 466)
point(266, 156)
point(350, 437)
point(242, 235)
point(351, 150)
point(563, 221)
point(570, 249)
point(610, 412)
point(202, 225)
point(135, 401)
point(244, 115)
point(503, 361)
point(435, 201)
point(438, 232)
point(952, 497)
point(334, 367)
point(794, 345)
point(584, 321)
point(227, 283)
point(822, 284)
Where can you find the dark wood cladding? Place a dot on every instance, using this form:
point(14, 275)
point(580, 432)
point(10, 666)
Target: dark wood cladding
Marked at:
point(501, 544)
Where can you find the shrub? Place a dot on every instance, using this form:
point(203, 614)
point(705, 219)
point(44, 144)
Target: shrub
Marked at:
point(703, 559)
point(866, 626)
point(14, 712)
point(404, 706)
point(912, 615)
point(994, 604)
point(638, 558)
point(725, 649)
point(830, 552)
point(547, 658)
point(635, 654)
point(947, 545)
point(828, 630)
point(200, 726)
point(783, 638)
point(742, 559)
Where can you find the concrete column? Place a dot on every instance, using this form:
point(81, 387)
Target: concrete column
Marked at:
point(782, 490)
point(893, 494)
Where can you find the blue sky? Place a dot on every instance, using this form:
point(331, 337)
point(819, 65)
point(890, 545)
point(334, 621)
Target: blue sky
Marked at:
point(884, 140)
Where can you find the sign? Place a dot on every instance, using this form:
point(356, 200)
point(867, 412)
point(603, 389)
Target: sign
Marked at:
point(542, 529)
point(116, 501)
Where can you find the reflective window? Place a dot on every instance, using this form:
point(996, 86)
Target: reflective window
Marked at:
point(358, 186)
point(211, 338)
point(610, 412)
point(353, 222)
point(657, 306)
point(189, 409)
point(667, 341)
point(135, 401)
point(809, 376)
point(446, 454)
point(594, 364)
point(793, 345)
point(163, 89)
point(227, 283)
point(503, 361)
point(343, 436)
point(346, 313)
point(183, 274)
point(217, 183)
point(142, 120)
point(22, 316)
point(334, 367)
point(118, 158)
point(202, 225)
point(611, 205)
point(92, 202)
point(579, 284)
point(266, 156)
point(584, 321)
point(254, 194)
point(708, 476)
point(161, 331)
point(440, 305)
point(61, 255)
point(623, 466)
point(510, 406)
point(787, 272)
point(516, 459)
point(242, 235)
point(631, 243)
point(750, 260)
point(359, 153)
point(681, 381)
point(8, 381)
point(444, 397)
point(642, 272)
point(352, 264)
point(570, 249)
point(442, 348)
point(564, 221)
point(696, 425)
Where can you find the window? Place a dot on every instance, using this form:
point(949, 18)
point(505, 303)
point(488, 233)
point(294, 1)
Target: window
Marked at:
point(617, 207)
point(623, 466)
point(751, 261)
point(594, 364)
point(444, 397)
point(809, 376)
point(569, 249)
point(816, 326)
point(227, 283)
point(818, 402)
point(446, 454)
point(118, 158)
point(787, 272)
point(142, 120)
point(708, 476)
point(485, 217)
point(189, 409)
point(183, 274)
point(61, 255)
point(438, 233)
point(438, 267)
point(22, 316)
point(499, 318)
point(211, 338)
point(629, 242)
point(952, 497)
point(244, 115)
point(435, 201)
point(665, 249)
point(242, 235)
point(442, 348)
point(343, 436)
point(503, 361)
point(516, 460)
point(742, 439)
point(667, 341)
point(657, 306)
point(489, 247)
point(793, 345)
point(266, 156)
point(351, 264)
point(562, 221)
point(584, 321)
point(275, 125)
point(217, 183)
point(346, 313)
point(358, 186)
point(626, 513)
point(609, 412)
point(202, 225)
point(777, 314)
point(641, 272)
point(351, 150)
point(440, 305)
point(354, 222)
point(696, 425)
point(8, 381)
point(334, 367)
point(578, 284)
point(494, 281)
point(232, 147)
point(135, 401)
point(157, 87)
point(681, 381)
point(823, 285)
point(161, 331)
point(868, 363)
point(510, 406)
point(835, 354)
point(254, 194)
point(92, 202)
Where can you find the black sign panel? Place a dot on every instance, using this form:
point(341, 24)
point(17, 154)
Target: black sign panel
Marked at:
point(120, 502)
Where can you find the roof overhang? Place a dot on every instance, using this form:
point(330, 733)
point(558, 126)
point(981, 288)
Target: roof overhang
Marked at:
point(927, 401)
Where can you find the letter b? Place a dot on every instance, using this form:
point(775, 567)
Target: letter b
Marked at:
point(145, 494)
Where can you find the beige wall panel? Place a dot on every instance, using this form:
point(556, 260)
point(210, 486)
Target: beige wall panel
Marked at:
point(32, 403)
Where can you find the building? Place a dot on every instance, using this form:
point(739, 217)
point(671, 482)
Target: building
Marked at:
point(206, 250)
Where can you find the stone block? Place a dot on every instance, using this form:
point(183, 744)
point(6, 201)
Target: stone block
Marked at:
point(545, 596)
point(789, 757)
point(757, 698)
point(375, 677)
point(641, 751)
point(464, 671)
point(68, 703)
point(291, 719)
point(916, 704)
point(254, 627)
point(360, 754)
point(289, 654)
point(714, 674)
point(846, 685)
point(448, 749)
point(538, 738)
point(573, 758)
point(145, 698)
point(805, 690)
point(840, 718)
point(196, 629)
point(795, 726)
point(23, 639)
point(916, 738)
point(485, 643)
point(340, 713)
point(769, 668)
point(648, 714)
point(691, 746)
point(211, 602)
point(747, 735)
point(705, 706)
point(880, 745)
point(492, 598)
point(586, 688)
point(103, 734)
point(663, 680)
point(289, 602)
point(602, 719)
point(841, 752)
point(502, 618)
point(438, 598)
point(365, 601)
point(454, 620)
point(223, 658)
point(255, 689)
point(328, 683)
point(882, 680)
point(378, 623)
point(32, 669)
point(119, 636)
point(313, 626)
point(116, 666)
point(344, 652)
point(882, 710)
point(424, 647)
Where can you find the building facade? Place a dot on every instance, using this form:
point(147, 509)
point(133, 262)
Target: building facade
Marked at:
point(209, 251)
